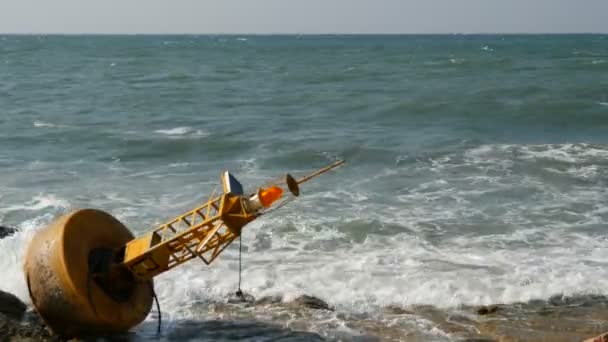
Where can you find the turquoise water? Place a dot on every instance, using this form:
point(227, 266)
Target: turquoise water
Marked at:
point(477, 165)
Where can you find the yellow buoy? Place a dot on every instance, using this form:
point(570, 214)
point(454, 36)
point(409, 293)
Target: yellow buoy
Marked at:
point(58, 267)
point(87, 275)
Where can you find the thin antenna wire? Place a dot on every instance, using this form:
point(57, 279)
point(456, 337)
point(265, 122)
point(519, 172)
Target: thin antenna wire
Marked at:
point(323, 170)
point(239, 293)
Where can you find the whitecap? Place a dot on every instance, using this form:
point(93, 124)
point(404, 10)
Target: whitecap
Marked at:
point(569, 153)
point(172, 165)
point(39, 202)
point(183, 131)
point(41, 124)
point(175, 131)
point(12, 250)
point(457, 60)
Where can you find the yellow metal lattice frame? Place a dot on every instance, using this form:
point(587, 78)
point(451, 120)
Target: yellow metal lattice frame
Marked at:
point(202, 232)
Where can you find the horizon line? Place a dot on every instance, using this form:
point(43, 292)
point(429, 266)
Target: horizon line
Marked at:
point(296, 33)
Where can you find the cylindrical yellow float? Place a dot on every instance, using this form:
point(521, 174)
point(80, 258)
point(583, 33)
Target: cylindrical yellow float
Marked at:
point(60, 269)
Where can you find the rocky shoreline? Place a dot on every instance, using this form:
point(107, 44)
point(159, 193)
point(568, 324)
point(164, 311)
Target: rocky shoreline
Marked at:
point(559, 319)
point(17, 324)
point(6, 231)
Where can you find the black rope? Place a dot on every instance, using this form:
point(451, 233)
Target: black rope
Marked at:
point(160, 319)
point(239, 293)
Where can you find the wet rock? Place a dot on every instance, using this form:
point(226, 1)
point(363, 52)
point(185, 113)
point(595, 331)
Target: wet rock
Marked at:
point(21, 331)
point(268, 300)
point(16, 324)
point(6, 231)
point(487, 310)
point(311, 303)
point(236, 330)
point(395, 310)
point(11, 306)
point(240, 297)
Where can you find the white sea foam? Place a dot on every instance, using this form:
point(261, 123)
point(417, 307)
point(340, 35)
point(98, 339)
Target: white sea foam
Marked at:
point(12, 251)
point(41, 124)
point(582, 172)
point(568, 153)
point(177, 132)
point(39, 202)
point(474, 230)
point(178, 165)
point(399, 271)
point(457, 60)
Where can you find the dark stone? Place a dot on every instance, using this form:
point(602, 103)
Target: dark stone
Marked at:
point(6, 231)
point(11, 306)
point(312, 303)
point(235, 330)
point(240, 297)
point(395, 310)
point(269, 300)
point(17, 331)
point(487, 310)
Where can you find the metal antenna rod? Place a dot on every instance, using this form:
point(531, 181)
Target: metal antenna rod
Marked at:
point(323, 170)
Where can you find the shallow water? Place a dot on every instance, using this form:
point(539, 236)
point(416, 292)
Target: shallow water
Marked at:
point(476, 164)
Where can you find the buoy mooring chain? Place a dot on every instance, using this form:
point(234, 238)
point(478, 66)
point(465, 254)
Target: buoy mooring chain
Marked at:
point(87, 275)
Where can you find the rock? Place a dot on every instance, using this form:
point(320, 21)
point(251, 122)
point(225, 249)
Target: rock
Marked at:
point(311, 303)
point(11, 306)
point(395, 310)
point(18, 325)
point(21, 331)
point(487, 310)
point(240, 297)
point(268, 300)
point(6, 231)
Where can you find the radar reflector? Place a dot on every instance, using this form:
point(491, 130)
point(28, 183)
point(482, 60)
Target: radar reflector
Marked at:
point(231, 184)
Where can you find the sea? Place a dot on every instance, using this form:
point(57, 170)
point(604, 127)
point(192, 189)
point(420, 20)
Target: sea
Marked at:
point(476, 170)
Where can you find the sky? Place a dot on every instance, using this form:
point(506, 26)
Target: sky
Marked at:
point(303, 16)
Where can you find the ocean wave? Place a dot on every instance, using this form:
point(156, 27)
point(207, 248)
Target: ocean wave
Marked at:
point(567, 153)
point(38, 203)
point(402, 271)
point(583, 172)
point(183, 131)
point(13, 250)
point(454, 238)
point(42, 124)
point(457, 60)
